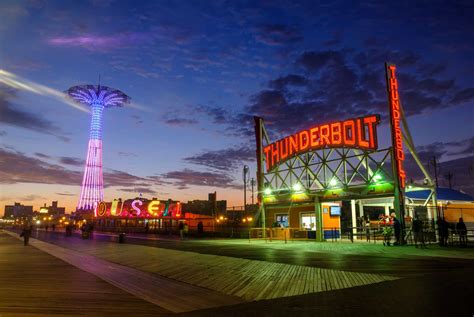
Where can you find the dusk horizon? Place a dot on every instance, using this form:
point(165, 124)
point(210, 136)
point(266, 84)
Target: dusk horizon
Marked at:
point(197, 74)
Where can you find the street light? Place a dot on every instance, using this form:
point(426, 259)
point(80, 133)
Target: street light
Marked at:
point(267, 191)
point(377, 178)
point(333, 182)
point(297, 187)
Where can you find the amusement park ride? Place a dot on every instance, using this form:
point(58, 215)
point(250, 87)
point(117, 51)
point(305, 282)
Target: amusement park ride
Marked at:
point(337, 161)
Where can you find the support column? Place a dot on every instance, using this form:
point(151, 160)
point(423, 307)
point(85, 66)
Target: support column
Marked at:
point(361, 208)
point(434, 200)
point(354, 218)
point(319, 219)
point(387, 209)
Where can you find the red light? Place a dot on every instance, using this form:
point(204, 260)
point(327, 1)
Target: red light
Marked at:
point(348, 133)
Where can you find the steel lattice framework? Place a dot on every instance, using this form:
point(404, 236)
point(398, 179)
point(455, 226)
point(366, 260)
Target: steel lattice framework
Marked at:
point(98, 98)
point(330, 168)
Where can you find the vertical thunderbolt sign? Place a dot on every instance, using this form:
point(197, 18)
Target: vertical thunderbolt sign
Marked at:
point(398, 156)
point(395, 117)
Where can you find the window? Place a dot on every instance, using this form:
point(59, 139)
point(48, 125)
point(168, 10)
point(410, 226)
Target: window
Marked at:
point(308, 221)
point(282, 220)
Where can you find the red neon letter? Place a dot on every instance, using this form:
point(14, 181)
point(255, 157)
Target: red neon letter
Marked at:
point(267, 150)
point(348, 129)
point(336, 137)
point(361, 135)
point(283, 145)
point(304, 140)
point(314, 137)
point(324, 134)
point(371, 122)
point(293, 144)
point(275, 154)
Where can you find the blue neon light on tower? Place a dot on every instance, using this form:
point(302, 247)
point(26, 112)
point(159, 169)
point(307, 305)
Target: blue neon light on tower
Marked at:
point(97, 98)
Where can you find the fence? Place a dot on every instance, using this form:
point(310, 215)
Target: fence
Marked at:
point(292, 234)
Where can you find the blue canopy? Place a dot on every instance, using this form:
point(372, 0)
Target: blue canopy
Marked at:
point(441, 194)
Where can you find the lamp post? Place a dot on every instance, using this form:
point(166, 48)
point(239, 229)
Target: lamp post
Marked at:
point(245, 176)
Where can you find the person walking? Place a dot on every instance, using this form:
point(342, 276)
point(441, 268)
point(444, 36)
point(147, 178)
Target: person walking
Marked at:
point(186, 229)
point(443, 229)
point(417, 229)
point(200, 228)
point(26, 233)
point(462, 232)
point(181, 230)
point(397, 228)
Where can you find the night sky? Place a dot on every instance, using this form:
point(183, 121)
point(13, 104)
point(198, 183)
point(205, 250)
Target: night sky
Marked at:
point(198, 71)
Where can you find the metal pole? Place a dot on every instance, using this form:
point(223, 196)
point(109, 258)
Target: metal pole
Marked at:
point(260, 160)
point(252, 182)
point(245, 176)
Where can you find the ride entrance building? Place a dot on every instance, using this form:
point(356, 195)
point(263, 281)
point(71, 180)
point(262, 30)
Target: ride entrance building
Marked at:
point(304, 179)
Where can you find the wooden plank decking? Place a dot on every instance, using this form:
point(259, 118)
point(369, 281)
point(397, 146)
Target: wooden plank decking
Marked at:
point(247, 279)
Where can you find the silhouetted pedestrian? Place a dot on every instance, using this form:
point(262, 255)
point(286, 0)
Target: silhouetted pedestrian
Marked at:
point(53, 227)
point(26, 233)
point(397, 228)
point(185, 229)
point(417, 228)
point(462, 232)
point(200, 228)
point(443, 231)
point(181, 230)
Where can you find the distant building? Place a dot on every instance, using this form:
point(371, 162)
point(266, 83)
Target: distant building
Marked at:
point(211, 207)
point(18, 210)
point(55, 210)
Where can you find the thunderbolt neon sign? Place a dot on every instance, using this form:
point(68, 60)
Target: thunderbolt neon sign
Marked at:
point(395, 116)
point(358, 133)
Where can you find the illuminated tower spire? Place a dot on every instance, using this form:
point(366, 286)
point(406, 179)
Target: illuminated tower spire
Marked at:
point(97, 98)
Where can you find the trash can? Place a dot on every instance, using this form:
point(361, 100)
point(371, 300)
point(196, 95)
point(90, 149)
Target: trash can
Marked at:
point(121, 238)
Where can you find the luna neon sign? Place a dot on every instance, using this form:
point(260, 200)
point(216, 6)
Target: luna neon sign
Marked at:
point(358, 133)
point(139, 208)
point(395, 116)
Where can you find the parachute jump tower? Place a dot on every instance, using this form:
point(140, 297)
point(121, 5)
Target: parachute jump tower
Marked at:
point(98, 98)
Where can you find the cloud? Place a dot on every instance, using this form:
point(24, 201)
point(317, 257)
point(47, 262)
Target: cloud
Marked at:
point(101, 43)
point(225, 159)
point(218, 114)
point(179, 122)
point(289, 80)
point(333, 84)
point(126, 154)
point(73, 161)
point(12, 115)
point(187, 177)
point(440, 149)
point(277, 34)
point(16, 167)
point(42, 155)
point(139, 190)
point(65, 194)
point(463, 96)
point(32, 197)
point(3, 133)
point(462, 168)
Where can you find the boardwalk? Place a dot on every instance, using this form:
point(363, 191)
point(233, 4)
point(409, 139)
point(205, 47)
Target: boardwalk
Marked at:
point(35, 283)
point(203, 283)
